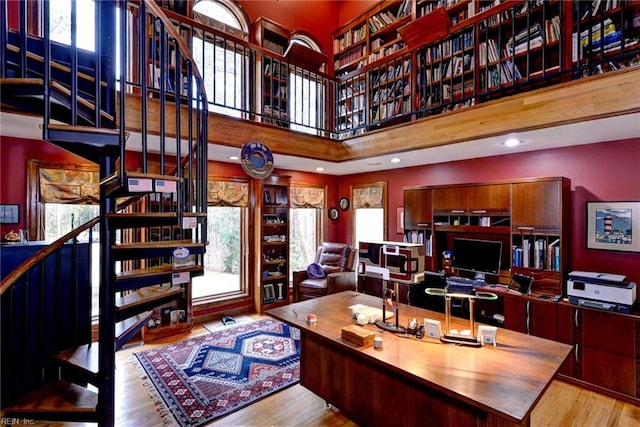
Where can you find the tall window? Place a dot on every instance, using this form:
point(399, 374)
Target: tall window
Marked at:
point(369, 219)
point(306, 224)
point(60, 27)
point(223, 64)
point(225, 259)
point(306, 102)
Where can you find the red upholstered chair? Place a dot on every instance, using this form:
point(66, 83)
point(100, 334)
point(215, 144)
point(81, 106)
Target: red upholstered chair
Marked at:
point(337, 261)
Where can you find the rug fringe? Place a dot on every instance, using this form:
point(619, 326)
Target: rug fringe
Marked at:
point(165, 414)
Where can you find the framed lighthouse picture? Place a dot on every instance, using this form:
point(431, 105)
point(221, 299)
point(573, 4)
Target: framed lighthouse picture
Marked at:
point(613, 226)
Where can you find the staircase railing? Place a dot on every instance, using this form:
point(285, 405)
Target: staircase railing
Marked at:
point(45, 304)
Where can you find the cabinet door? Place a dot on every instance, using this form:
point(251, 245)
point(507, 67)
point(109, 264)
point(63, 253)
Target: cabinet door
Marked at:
point(542, 319)
point(515, 313)
point(608, 350)
point(472, 197)
point(567, 332)
point(537, 204)
point(417, 206)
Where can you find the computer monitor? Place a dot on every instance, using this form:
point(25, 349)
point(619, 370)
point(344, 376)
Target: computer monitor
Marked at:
point(480, 257)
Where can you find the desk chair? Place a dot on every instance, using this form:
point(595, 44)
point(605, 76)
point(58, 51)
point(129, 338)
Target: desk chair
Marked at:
point(337, 262)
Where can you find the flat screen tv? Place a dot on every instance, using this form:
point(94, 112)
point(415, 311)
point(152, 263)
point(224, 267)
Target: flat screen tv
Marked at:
point(481, 257)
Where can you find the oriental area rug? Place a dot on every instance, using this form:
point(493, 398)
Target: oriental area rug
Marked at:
point(204, 378)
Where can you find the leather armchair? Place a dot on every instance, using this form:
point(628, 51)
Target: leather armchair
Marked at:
point(337, 261)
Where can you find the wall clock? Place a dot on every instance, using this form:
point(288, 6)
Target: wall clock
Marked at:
point(344, 203)
point(256, 160)
point(333, 214)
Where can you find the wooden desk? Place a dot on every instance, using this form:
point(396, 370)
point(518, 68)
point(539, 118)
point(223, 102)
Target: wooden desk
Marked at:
point(419, 382)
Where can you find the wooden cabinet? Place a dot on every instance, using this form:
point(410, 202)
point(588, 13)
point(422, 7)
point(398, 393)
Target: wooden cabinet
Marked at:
point(541, 239)
point(606, 348)
point(531, 217)
point(270, 202)
point(418, 220)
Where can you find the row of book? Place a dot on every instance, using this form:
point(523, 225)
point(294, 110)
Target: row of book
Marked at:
point(349, 38)
point(418, 236)
point(539, 254)
point(391, 73)
point(351, 56)
point(391, 109)
point(277, 69)
point(399, 88)
point(596, 7)
point(374, 56)
point(612, 65)
point(352, 89)
point(351, 105)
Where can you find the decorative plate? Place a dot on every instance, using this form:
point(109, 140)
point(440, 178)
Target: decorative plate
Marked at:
point(256, 160)
point(344, 203)
point(333, 213)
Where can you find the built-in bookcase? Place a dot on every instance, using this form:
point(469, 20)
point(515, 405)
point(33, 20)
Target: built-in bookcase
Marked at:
point(390, 89)
point(351, 105)
point(446, 72)
point(605, 35)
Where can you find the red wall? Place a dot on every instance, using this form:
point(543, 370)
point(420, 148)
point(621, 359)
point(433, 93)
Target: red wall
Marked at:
point(608, 171)
point(319, 18)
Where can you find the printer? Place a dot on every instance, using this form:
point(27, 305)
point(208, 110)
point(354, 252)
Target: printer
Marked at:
point(601, 290)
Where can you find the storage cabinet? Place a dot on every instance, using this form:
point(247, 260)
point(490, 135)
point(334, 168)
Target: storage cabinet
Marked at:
point(541, 240)
point(528, 216)
point(606, 348)
point(271, 222)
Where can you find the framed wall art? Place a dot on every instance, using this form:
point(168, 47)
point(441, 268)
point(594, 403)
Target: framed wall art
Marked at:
point(613, 226)
point(9, 214)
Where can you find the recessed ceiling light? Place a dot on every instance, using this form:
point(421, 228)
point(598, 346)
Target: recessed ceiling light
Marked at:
point(319, 169)
point(233, 157)
point(374, 164)
point(395, 160)
point(512, 142)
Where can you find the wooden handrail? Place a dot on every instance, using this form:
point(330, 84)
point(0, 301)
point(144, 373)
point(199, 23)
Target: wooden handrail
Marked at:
point(36, 258)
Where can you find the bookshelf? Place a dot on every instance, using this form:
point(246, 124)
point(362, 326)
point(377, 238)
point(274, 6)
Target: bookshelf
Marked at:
point(371, 36)
point(168, 56)
point(272, 90)
point(519, 43)
point(605, 35)
point(446, 73)
point(351, 105)
point(271, 218)
point(390, 89)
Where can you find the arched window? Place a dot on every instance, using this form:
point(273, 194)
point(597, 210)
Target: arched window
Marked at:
point(306, 103)
point(223, 63)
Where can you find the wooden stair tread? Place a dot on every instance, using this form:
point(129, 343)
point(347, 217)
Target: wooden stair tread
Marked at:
point(140, 175)
point(84, 357)
point(158, 244)
point(85, 103)
point(54, 64)
point(154, 271)
point(83, 129)
point(57, 397)
point(146, 295)
point(21, 81)
point(130, 324)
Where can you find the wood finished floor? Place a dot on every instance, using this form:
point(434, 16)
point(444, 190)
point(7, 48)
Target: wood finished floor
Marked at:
point(562, 405)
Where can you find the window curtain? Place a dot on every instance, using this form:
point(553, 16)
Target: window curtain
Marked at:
point(307, 197)
point(227, 193)
point(370, 197)
point(80, 187)
point(51, 182)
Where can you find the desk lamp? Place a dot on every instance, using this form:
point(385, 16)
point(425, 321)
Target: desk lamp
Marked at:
point(471, 341)
point(388, 296)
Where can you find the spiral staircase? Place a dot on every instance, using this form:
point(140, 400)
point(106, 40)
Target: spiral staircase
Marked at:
point(51, 367)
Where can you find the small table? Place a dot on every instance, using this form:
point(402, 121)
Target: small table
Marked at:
point(411, 381)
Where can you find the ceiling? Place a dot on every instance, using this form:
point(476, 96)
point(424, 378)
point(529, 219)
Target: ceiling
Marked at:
point(589, 132)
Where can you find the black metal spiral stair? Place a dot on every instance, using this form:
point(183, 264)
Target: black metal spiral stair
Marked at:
point(84, 111)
